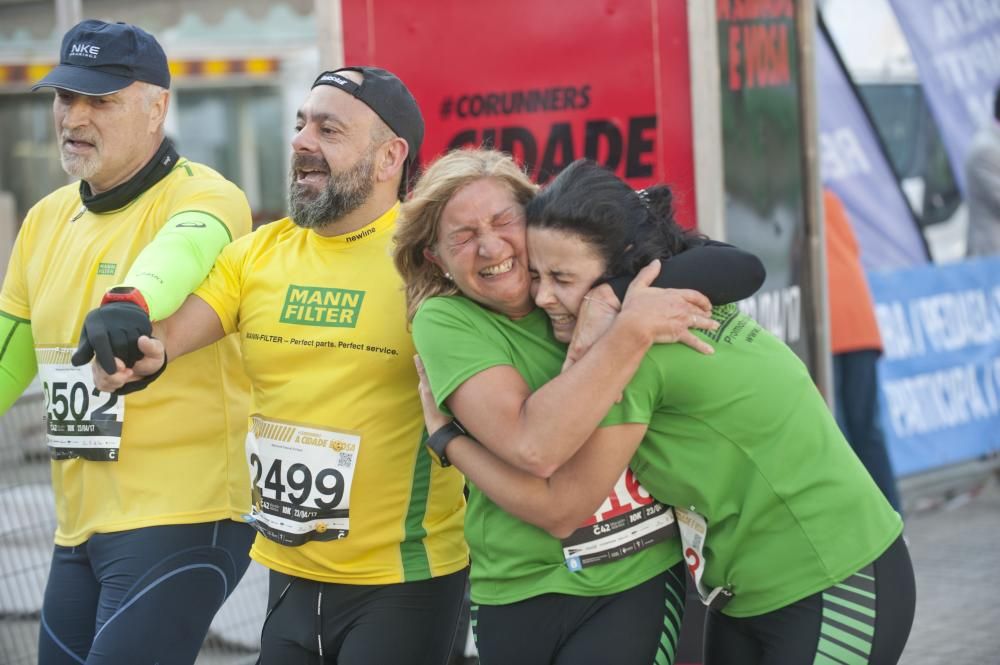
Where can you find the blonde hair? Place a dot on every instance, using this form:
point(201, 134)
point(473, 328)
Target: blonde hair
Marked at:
point(420, 216)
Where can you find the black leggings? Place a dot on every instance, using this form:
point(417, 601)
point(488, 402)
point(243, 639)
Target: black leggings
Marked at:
point(311, 623)
point(863, 620)
point(639, 626)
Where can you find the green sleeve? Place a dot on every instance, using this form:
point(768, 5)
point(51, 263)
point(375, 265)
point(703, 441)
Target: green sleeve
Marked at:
point(640, 397)
point(454, 345)
point(177, 260)
point(18, 365)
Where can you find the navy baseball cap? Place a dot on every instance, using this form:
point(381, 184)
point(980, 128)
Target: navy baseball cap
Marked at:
point(98, 58)
point(384, 93)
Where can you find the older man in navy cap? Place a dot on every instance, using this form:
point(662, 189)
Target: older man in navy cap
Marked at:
point(149, 487)
point(121, 70)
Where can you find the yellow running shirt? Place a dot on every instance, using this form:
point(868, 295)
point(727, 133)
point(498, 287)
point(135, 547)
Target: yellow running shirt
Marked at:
point(343, 489)
point(171, 454)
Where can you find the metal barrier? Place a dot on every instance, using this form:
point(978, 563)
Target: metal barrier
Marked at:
point(27, 522)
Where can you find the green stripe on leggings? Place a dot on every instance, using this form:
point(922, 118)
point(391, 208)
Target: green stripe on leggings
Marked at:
point(673, 613)
point(840, 654)
point(846, 603)
point(668, 642)
point(860, 592)
point(845, 640)
point(825, 660)
point(839, 617)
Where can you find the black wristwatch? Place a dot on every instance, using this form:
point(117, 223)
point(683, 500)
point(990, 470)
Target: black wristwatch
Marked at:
point(440, 439)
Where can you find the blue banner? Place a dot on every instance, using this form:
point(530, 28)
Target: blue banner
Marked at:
point(956, 46)
point(854, 166)
point(940, 374)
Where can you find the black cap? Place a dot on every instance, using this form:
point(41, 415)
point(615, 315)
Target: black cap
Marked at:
point(98, 58)
point(384, 93)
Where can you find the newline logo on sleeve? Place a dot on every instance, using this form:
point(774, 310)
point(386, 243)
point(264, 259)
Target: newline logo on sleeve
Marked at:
point(320, 306)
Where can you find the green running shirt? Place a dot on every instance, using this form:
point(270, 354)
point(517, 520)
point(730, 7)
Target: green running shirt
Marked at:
point(744, 438)
point(511, 559)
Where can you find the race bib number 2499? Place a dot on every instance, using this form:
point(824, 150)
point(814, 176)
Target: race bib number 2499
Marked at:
point(301, 479)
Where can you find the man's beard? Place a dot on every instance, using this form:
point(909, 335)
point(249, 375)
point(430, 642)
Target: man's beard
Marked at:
point(79, 166)
point(345, 192)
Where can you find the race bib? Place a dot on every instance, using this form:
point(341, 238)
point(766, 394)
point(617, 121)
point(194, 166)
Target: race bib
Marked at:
point(81, 421)
point(300, 480)
point(694, 530)
point(628, 521)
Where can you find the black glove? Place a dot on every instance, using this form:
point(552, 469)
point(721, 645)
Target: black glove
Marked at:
point(113, 331)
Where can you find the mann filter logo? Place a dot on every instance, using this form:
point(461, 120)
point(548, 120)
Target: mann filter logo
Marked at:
point(107, 268)
point(318, 306)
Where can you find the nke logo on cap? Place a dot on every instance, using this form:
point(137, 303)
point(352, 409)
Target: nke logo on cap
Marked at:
point(84, 50)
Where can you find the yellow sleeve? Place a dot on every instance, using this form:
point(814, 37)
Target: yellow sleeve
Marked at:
point(222, 288)
point(14, 294)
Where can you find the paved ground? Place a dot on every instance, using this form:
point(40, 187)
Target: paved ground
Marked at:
point(955, 545)
point(956, 556)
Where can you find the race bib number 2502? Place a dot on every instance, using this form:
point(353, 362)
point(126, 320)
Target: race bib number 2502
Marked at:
point(81, 421)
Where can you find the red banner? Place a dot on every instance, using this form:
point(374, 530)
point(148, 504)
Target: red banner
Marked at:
point(548, 82)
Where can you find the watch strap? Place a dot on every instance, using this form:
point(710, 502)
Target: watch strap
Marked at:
point(439, 440)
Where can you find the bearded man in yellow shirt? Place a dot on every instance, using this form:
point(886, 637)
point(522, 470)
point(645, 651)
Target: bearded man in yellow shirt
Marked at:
point(362, 533)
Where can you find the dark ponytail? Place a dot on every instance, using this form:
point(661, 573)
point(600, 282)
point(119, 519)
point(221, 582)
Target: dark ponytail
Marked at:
point(628, 229)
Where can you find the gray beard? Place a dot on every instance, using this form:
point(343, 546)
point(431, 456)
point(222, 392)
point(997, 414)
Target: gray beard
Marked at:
point(79, 167)
point(345, 192)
